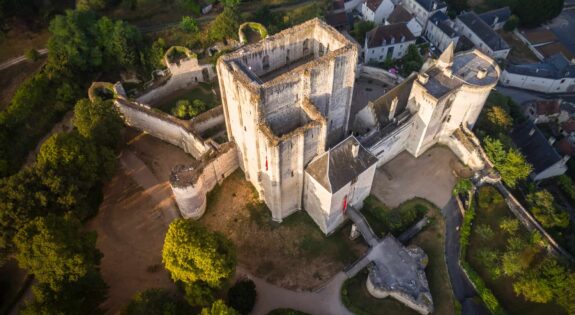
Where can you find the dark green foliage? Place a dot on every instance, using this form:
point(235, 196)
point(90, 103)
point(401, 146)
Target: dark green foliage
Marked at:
point(56, 250)
point(535, 12)
point(190, 5)
point(360, 29)
point(546, 211)
point(32, 54)
point(242, 296)
point(225, 25)
point(80, 297)
point(393, 221)
point(189, 25)
point(230, 3)
point(98, 121)
point(462, 186)
point(510, 163)
point(199, 293)
point(511, 24)
point(156, 302)
point(185, 109)
point(157, 53)
point(457, 5)
point(411, 62)
point(219, 308)
point(87, 5)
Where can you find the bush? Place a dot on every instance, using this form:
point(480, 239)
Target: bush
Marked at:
point(199, 293)
point(155, 301)
point(189, 25)
point(463, 186)
point(396, 220)
point(32, 54)
point(242, 296)
point(511, 24)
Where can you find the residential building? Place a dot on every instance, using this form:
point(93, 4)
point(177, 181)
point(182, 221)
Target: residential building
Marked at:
point(376, 11)
point(544, 111)
point(424, 9)
point(482, 35)
point(439, 31)
point(387, 41)
point(496, 18)
point(538, 151)
point(554, 75)
point(401, 15)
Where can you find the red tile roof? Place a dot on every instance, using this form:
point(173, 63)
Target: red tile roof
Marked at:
point(566, 147)
point(568, 126)
point(548, 107)
point(373, 4)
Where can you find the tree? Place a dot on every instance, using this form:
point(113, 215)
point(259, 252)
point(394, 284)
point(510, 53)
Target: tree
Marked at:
point(485, 232)
point(462, 186)
point(511, 24)
point(186, 110)
point(157, 53)
point(412, 61)
point(534, 12)
point(192, 253)
point(499, 119)
point(87, 5)
point(32, 55)
point(219, 308)
point(225, 25)
point(510, 164)
point(360, 29)
point(56, 250)
point(509, 225)
point(544, 209)
point(242, 296)
point(98, 121)
point(155, 302)
point(199, 293)
point(189, 25)
point(81, 297)
point(230, 3)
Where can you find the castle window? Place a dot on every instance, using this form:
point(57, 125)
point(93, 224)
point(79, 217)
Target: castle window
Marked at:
point(292, 174)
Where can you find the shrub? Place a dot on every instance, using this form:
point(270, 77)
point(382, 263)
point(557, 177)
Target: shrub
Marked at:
point(242, 296)
point(189, 25)
point(32, 54)
point(199, 294)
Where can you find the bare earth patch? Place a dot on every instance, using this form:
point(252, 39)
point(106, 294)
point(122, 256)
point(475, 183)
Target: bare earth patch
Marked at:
point(294, 254)
point(133, 219)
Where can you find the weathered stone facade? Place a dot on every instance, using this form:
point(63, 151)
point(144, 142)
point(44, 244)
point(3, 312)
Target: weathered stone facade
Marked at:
point(287, 99)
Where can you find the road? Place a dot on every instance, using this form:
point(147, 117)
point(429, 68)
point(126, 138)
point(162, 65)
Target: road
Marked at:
point(462, 287)
point(20, 59)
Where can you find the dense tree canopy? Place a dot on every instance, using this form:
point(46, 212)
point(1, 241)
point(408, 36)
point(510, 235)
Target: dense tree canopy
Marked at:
point(56, 250)
point(155, 302)
point(225, 25)
point(219, 308)
point(192, 253)
point(98, 121)
point(545, 210)
point(242, 296)
point(510, 163)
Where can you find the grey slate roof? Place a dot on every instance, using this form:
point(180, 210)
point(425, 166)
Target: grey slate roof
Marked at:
point(534, 146)
point(442, 21)
point(337, 167)
point(483, 31)
point(502, 15)
point(428, 4)
point(554, 67)
point(383, 34)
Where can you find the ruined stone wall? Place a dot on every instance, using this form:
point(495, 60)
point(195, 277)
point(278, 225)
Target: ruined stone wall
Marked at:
point(162, 126)
point(464, 152)
point(401, 297)
point(184, 75)
point(208, 120)
point(190, 186)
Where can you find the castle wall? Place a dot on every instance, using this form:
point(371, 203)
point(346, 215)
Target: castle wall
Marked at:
point(192, 197)
point(184, 75)
point(380, 75)
point(208, 119)
point(161, 126)
point(393, 144)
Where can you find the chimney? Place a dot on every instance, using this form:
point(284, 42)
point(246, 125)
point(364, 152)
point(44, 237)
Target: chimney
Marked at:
point(423, 78)
point(481, 73)
point(551, 140)
point(392, 109)
point(496, 20)
point(434, 6)
point(355, 149)
point(531, 132)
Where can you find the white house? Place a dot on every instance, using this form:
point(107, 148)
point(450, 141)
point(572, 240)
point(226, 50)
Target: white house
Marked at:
point(401, 15)
point(387, 41)
point(439, 31)
point(484, 38)
point(376, 11)
point(538, 151)
point(338, 179)
point(554, 75)
point(424, 9)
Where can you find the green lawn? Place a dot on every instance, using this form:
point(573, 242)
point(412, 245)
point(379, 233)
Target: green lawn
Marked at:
point(501, 287)
point(431, 240)
point(384, 220)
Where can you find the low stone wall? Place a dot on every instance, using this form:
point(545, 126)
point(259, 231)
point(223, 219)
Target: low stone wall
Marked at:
point(468, 156)
point(209, 120)
point(380, 75)
point(401, 297)
point(191, 185)
point(162, 126)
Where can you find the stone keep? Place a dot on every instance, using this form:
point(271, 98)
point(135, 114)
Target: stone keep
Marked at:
point(287, 99)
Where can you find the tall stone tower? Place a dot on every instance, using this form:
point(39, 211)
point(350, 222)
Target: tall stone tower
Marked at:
point(287, 99)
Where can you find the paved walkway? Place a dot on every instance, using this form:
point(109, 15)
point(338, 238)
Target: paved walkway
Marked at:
point(17, 60)
point(363, 227)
